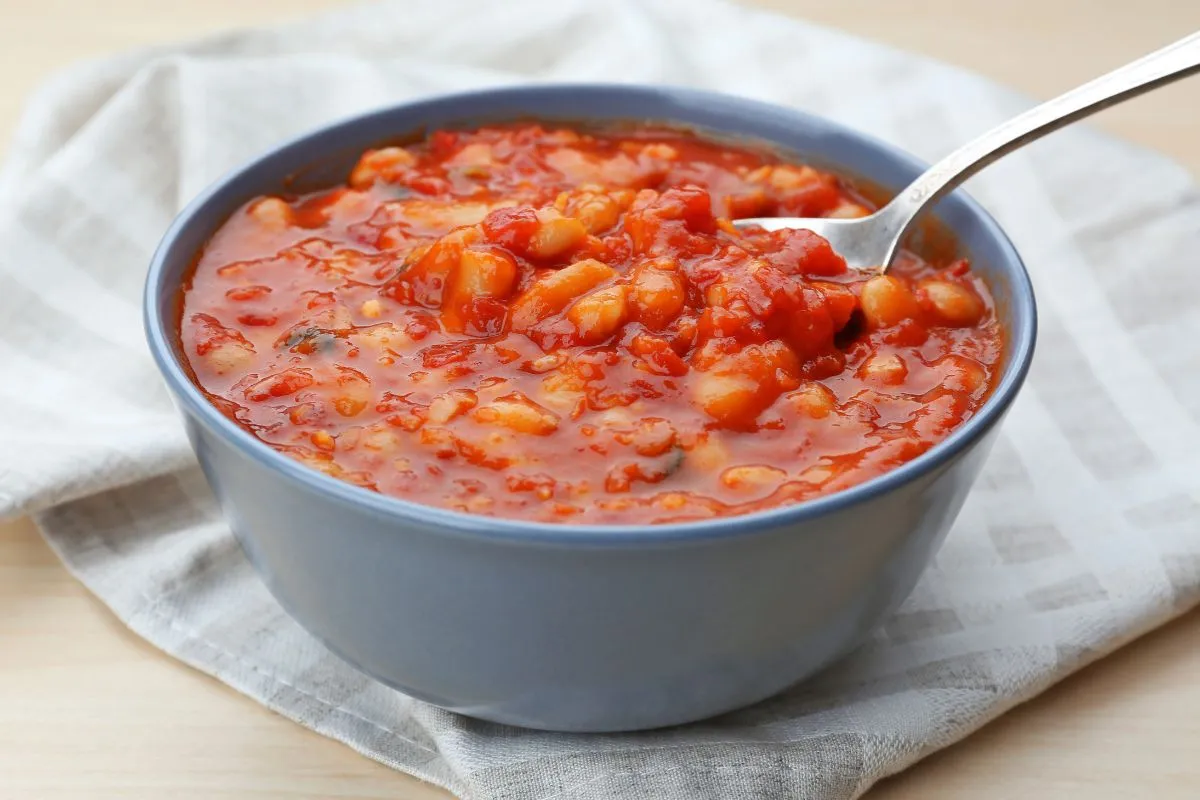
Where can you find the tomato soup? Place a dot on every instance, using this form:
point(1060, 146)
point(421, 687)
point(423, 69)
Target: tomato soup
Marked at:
point(563, 325)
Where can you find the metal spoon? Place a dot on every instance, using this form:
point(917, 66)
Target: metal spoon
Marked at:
point(870, 243)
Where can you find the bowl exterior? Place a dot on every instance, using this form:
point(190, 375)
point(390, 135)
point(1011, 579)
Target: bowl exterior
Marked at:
point(582, 637)
point(583, 631)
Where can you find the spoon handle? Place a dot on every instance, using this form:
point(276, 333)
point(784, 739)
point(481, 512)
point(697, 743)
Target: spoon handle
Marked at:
point(1163, 66)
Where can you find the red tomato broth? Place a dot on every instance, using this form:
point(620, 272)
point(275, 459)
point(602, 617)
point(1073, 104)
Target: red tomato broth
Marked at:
point(560, 325)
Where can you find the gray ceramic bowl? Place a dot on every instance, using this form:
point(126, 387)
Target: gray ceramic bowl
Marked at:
point(599, 628)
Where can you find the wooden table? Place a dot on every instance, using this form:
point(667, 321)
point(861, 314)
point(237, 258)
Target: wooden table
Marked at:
point(88, 710)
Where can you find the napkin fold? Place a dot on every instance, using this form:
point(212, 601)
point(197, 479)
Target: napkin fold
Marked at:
point(1083, 532)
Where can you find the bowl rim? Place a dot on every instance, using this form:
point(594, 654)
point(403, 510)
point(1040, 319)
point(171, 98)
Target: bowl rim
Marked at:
point(192, 402)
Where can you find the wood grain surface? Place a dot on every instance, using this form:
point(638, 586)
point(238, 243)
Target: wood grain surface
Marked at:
point(88, 710)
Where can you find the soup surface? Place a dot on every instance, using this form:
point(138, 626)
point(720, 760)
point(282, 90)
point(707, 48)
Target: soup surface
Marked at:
point(562, 325)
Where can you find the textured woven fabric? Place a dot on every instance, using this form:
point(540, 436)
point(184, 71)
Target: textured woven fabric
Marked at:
point(1083, 532)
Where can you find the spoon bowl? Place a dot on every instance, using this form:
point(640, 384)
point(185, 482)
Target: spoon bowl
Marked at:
point(867, 243)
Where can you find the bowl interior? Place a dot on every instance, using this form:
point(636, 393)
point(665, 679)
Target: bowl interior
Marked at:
point(325, 157)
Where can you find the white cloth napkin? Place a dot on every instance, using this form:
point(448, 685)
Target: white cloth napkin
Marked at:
point(1083, 533)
